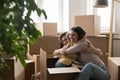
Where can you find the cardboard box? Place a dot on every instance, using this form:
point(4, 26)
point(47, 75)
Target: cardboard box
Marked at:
point(7, 73)
point(48, 43)
point(29, 69)
point(19, 70)
point(50, 29)
point(37, 63)
point(101, 43)
point(47, 28)
point(114, 67)
point(24, 73)
point(47, 73)
point(90, 23)
point(64, 73)
point(36, 59)
point(15, 70)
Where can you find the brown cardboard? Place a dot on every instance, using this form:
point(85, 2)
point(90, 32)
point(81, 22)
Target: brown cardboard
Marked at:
point(24, 73)
point(15, 70)
point(19, 70)
point(64, 76)
point(48, 43)
point(114, 67)
point(45, 75)
point(101, 43)
point(29, 69)
point(90, 23)
point(50, 29)
point(63, 70)
point(47, 28)
point(36, 59)
point(7, 73)
point(43, 65)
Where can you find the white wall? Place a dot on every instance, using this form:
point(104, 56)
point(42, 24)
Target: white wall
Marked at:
point(117, 18)
point(116, 37)
point(79, 7)
point(76, 7)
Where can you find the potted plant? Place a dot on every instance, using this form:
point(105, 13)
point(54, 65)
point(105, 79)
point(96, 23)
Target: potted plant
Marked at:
point(17, 28)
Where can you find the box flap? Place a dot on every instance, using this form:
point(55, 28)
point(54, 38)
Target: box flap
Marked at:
point(63, 70)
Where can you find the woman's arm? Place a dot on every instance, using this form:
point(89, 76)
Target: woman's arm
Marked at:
point(59, 51)
point(78, 47)
point(92, 49)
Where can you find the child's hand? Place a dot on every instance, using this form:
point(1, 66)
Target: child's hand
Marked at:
point(64, 52)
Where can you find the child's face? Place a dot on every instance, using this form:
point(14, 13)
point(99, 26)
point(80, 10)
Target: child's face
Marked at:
point(64, 40)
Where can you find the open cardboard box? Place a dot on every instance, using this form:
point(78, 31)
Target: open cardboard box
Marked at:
point(48, 43)
point(65, 73)
point(48, 72)
point(14, 70)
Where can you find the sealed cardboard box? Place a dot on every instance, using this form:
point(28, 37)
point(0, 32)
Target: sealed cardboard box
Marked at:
point(90, 23)
point(49, 29)
point(48, 43)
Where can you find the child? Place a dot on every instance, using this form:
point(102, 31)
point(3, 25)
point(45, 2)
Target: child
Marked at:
point(65, 60)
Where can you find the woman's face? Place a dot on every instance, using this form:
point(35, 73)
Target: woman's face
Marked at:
point(73, 36)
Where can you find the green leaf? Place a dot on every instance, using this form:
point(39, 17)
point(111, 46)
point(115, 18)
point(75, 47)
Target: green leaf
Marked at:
point(17, 32)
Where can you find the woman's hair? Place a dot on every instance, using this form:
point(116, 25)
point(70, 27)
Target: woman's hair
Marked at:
point(67, 36)
point(80, 32)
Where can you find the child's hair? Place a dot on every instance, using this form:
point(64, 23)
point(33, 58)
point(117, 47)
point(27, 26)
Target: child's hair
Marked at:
point(62, 35)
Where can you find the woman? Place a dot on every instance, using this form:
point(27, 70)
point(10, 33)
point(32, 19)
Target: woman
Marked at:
point(94, 68)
